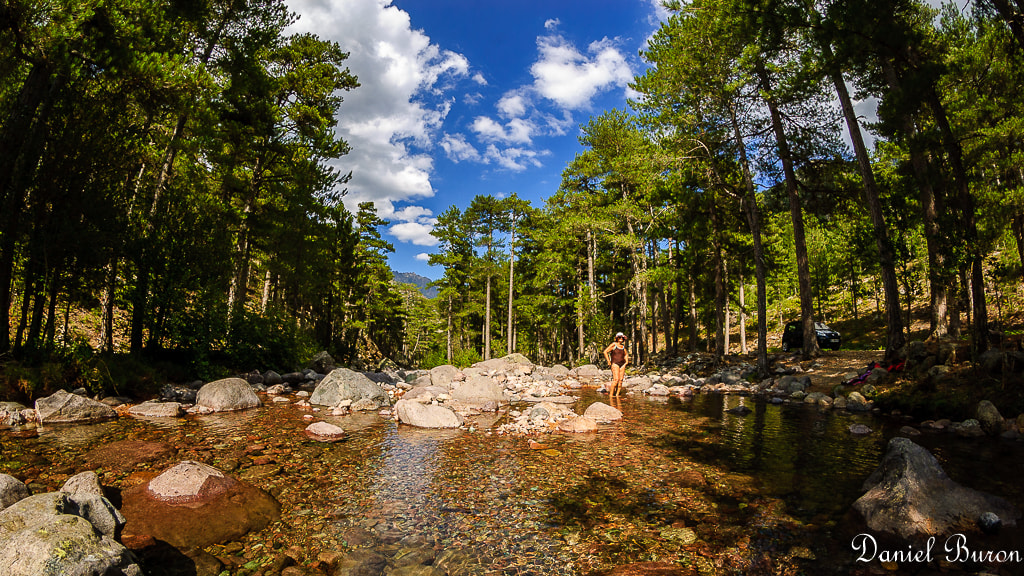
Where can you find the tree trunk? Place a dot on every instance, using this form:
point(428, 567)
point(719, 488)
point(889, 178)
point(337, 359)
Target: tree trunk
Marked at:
point(487, 321)
point(448, 332)
point(886, 260)
point(693, 315)
point(510, 344)
point(968, 222)
point(753, 214)
point(1017, 225)
point(743, 321)
point(720, 339)
point(810, 347)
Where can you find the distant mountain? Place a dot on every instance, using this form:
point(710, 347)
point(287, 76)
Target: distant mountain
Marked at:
point(416, 280)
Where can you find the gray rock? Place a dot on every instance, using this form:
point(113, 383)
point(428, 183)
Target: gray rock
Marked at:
point(587, 371)
point(271, 378)
point(344, 384)
point(909, 431)
point(857, 402)
point(83, 483)
point(989, 417)
point(877, 375)
point(11, 490)
point(479, 389)
point(65, 407)
point(322, 363)
point(602, 412)
point(324, 432)
point(99, 512)
point(558, 371)
point(424, 394)
point(638, 383)
point(115, 401)
point(444, 375)
point(553, 399)
point(364, 405)
point(910, 496)
point(859, 429)
point(426, 415)
point(968, 429)
point(539, 413)
point(155, 409)
point(227, 395)
point(990, 523)
point(45, 534)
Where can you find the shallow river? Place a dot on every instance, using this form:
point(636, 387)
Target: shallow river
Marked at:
point(674, 481)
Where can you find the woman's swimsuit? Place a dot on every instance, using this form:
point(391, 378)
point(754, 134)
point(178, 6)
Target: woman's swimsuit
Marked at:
point(618, 355)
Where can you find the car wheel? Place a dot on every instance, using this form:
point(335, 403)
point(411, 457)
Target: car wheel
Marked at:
point(785, 346)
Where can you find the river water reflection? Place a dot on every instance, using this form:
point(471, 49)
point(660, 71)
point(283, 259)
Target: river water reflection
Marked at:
point(674, 481)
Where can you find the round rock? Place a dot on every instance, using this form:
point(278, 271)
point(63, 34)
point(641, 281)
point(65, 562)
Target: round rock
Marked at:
point(324, 432)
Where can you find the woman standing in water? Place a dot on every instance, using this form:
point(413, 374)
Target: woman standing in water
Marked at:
point(617, 357)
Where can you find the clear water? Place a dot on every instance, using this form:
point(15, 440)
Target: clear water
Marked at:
point(765, 493)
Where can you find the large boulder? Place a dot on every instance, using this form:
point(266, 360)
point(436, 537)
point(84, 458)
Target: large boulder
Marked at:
point(322, 363)
point(910, 496)
point(602, 412)
point(45, 534)
point(11, 490)
point(344, 384)
point(586, 372)
point(426, 415)
point(424, 394)
point(479, 390)
point(63, 406)
point(444, 375)
point(194, 505)
point(227, 395)
point(990, 418)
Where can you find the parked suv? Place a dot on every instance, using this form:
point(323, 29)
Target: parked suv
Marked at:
point(793, 336)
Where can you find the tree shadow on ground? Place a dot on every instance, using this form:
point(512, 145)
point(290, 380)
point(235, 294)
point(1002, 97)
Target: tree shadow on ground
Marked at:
point(597, 496)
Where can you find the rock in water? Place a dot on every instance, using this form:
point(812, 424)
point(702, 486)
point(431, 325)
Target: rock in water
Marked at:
point(859, 429)
point(578, 424)
point(602, 412)
point(157, 409)
point(989, 418)
point(344, 384)
point(195, 505)
point(227, 395)
point(426, 415)
point(443, 375)
point(11, 490)
point(910, 496)
point(44, 535)
point(63, 406)
point(325, 432)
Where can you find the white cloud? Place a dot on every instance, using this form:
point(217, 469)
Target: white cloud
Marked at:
point(570, 79)
point(412, 214)
point(512, 105)
point(458, 149)
point(423, 257)
point(388, 121)
point(479, 79)
point(515, 159)
point(517, 130)
point(417, 233)
point(552, 23)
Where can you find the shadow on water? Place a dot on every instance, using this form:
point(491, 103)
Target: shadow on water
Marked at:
point(594, 497)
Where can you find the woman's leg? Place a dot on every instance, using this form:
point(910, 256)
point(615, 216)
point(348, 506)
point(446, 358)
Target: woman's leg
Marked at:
point(615, 379)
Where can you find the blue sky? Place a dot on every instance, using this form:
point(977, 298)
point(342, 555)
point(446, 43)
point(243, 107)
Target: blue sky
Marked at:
point(461, 97)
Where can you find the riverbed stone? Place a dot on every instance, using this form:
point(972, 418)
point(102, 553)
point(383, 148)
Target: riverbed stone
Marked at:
point(426, 415)
point(586, 372)
point(859, 430)
point(478, 390)
point(11, 490)
point(969, 428)
point(127, 454)
point(361, 562)
point(989, 417)
point(909, 495)
point(227, 395)
point(153, 409)
point(344, 384)
point(578, 424)
point(64, 407)
point(44, 534)
point(652, 569)
point(424, 394)
point(602, 412)
point(195, 505)
point(325, 432)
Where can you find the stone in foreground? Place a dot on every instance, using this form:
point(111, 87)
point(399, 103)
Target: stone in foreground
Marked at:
point(45, 534)
point(11, 490)
point(426, 415)
point(325, 432)
point(195, 505)
point(578, 424)
point(910, 496)
point(64, 407)
point(602, 412)
point(227, 395)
